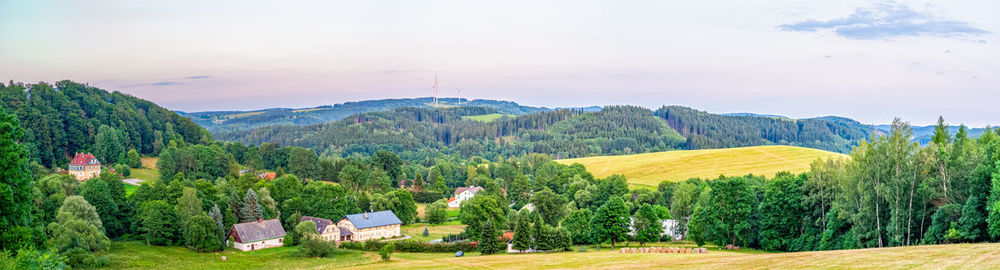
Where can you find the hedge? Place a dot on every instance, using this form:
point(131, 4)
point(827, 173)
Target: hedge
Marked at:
point(410, 246)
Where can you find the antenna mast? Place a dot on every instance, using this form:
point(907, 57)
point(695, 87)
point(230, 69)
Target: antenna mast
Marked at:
point(435, 89)
point(459, 96)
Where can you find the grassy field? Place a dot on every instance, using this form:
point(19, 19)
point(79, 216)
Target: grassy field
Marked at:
point(416, 230)
point(484, 117)
point(136, 255)
point(960, 256)
point(651, 168)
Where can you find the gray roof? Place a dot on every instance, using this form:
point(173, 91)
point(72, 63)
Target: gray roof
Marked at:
point(374, 219)
point(256, 231)
point(321, 223)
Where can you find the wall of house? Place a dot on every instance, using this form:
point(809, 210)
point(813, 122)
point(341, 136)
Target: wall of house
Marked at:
point(269, 243)
point(380, 232)
point(85, 172)
point(332, 233)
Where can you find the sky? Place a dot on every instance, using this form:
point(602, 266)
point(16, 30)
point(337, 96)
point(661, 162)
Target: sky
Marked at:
point(867, 60)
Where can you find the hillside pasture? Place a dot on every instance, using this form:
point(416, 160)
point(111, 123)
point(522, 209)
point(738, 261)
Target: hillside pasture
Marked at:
point(651, 168)
point(484, 117)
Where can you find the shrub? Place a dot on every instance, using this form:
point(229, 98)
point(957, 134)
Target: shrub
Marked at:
point(386, 251)
point(313, 246)
point(426, 232)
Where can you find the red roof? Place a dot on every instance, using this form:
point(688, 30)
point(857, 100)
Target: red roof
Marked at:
point(473, 189)
point(507, 236)
point(83, 159)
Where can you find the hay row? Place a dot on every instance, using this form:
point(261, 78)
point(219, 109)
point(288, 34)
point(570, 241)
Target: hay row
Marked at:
point(663, 250)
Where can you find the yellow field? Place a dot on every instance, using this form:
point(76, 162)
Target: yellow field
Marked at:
point(651, 168)
point(958, 256)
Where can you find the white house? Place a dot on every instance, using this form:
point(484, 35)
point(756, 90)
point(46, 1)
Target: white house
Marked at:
point(326, 229)
point(256, 235)
point(671, 228)
point(365, 226)
point(462, 194)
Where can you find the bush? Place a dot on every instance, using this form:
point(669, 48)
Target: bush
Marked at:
point(313, 246)
point(123, 169)
point(436, 213)
point(386, 251)
point(426, 196)
point(32, 259)
point(426, 232)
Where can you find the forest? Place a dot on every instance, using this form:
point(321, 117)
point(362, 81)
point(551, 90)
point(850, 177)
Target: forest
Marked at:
point(418, 133)
point(242, 120)
point(66, 117)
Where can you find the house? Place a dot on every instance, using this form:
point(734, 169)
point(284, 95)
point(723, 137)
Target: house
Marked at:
point(509, 236)
point(267, 176)
point(365, 226)
point(256, 235)
point(84, 166)
point(462, 194)
point(326, 229)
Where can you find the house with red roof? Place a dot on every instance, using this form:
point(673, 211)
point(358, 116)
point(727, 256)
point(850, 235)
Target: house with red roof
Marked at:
point(84, 166)
point(462, 194)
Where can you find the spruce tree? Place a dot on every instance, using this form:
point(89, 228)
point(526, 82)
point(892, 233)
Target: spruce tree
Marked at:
point(251, 210)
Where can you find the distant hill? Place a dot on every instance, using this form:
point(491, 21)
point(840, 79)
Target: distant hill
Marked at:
point(651, 168)
point(705, 130)
point(66, 117)
point(420, 132)
point(216, 121)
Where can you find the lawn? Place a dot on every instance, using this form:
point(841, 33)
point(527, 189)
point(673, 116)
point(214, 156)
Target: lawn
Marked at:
point(484, 117)
point(130, 188)
point(145, 174)
point(651, 168)
point(136, 255)
point(416, 230)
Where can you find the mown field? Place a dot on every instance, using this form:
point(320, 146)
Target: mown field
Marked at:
point(651, 168)
point(135, 255)
point(484, 117)
point(435, 232)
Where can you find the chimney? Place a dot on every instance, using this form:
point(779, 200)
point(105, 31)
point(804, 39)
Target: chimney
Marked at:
point(366, 215)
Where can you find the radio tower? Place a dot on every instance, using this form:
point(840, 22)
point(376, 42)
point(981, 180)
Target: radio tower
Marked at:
point(459, 96)
point(435, 87)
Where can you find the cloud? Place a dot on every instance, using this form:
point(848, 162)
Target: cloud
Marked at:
point(198, 77)
point(164, 83)
point(887, 20)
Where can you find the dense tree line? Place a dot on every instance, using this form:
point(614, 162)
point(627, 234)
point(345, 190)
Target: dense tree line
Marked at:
point(704, 130)
point(563, 133)
point(220, 121)
point(66, 117)
point(891, 192)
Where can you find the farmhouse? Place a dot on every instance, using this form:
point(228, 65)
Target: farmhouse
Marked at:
point(256, 235)
point(84, 166)
point(462, 194)
point(365, 226)
point(326, 229)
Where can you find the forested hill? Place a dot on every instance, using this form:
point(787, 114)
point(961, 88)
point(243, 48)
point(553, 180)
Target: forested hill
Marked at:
point(419, 132)
point(66, 117)
point(704, 130)
point(241, 120)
